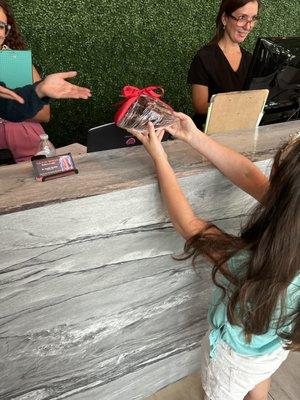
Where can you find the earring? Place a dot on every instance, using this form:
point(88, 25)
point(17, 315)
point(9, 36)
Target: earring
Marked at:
point(224, 27)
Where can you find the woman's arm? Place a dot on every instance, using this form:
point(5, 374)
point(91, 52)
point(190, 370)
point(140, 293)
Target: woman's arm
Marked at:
point(34, 97)
point(10, 95)
point(44, 114)
point(200, 98)
point(14, 111)
point(239, 169)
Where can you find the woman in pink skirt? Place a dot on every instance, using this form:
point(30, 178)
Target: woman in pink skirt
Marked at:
point(21, 138)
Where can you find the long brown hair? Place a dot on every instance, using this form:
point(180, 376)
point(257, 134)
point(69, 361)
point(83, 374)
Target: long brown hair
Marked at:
point(14, 40)
point(272, 238)
point(228, 7)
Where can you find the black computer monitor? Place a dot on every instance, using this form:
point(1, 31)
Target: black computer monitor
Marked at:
point(275, 66)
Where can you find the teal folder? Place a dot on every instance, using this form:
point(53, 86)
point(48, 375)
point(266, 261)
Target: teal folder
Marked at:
point(15, 68)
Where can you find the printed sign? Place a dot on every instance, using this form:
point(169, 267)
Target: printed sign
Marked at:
point(53, 167)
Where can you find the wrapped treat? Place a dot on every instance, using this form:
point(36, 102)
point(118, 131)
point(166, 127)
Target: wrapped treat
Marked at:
point(141, 106)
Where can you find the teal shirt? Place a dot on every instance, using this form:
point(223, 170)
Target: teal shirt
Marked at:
point(232, 334)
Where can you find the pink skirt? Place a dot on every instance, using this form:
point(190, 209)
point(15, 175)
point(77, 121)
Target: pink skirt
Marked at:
point(21, 138)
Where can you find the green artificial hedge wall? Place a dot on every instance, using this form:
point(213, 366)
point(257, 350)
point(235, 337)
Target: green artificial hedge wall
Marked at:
point(114, 43)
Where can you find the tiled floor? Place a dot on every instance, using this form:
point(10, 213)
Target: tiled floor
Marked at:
point(285, 384)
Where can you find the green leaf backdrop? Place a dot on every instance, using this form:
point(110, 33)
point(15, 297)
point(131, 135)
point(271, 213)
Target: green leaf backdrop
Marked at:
point(112, 43)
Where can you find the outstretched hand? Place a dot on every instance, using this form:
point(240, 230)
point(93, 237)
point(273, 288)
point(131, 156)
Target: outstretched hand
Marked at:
point(183, 128)
point(56, 87)
point(10, 95)
point(151, 141)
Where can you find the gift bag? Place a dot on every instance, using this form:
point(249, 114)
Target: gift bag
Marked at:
point(141, 106)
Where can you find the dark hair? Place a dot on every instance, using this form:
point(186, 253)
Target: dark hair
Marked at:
point(272, 237)
point(14, 40)
point(228, 7)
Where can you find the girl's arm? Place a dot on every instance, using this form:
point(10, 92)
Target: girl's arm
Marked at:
point(44, 114)
point(239, 169)
point(181, 214)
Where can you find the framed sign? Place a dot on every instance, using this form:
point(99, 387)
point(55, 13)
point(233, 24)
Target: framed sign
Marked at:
point(53, 167)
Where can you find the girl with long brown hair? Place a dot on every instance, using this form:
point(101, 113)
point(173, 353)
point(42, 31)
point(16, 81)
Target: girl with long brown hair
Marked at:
point(222, 65)
point(255, 311)
point(21, 138)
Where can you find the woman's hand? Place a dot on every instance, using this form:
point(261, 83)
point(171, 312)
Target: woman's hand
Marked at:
point(151, 141)
point(184, 128)
point(56, 87)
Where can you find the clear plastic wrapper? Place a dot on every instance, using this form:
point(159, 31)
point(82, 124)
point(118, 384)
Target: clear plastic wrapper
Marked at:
point(147, 109)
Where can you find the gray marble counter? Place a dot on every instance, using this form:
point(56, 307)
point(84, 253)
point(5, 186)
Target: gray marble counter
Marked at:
point(93, 306)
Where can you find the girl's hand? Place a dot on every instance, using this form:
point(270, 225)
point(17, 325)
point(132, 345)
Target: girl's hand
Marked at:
point(184, 128)
point(151, 141)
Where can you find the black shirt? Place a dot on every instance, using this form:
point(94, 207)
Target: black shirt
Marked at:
point(211, 68)
point(16, 112)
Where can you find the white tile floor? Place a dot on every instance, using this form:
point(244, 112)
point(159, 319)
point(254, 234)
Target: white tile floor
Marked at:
point(285, 384)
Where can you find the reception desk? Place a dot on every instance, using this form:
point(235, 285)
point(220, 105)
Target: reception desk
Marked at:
point(93, 306)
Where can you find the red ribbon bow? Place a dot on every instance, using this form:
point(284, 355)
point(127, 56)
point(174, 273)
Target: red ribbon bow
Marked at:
point(134, 92)
point(131, 93)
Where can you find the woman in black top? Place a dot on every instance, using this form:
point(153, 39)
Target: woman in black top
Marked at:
point(221, 65)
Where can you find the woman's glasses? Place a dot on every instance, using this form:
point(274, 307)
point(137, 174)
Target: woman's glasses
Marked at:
point(4, 29)
point(242, 20)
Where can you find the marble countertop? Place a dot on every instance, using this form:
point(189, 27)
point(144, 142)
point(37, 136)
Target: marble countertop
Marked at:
point(93, 305)
point(107, 171)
